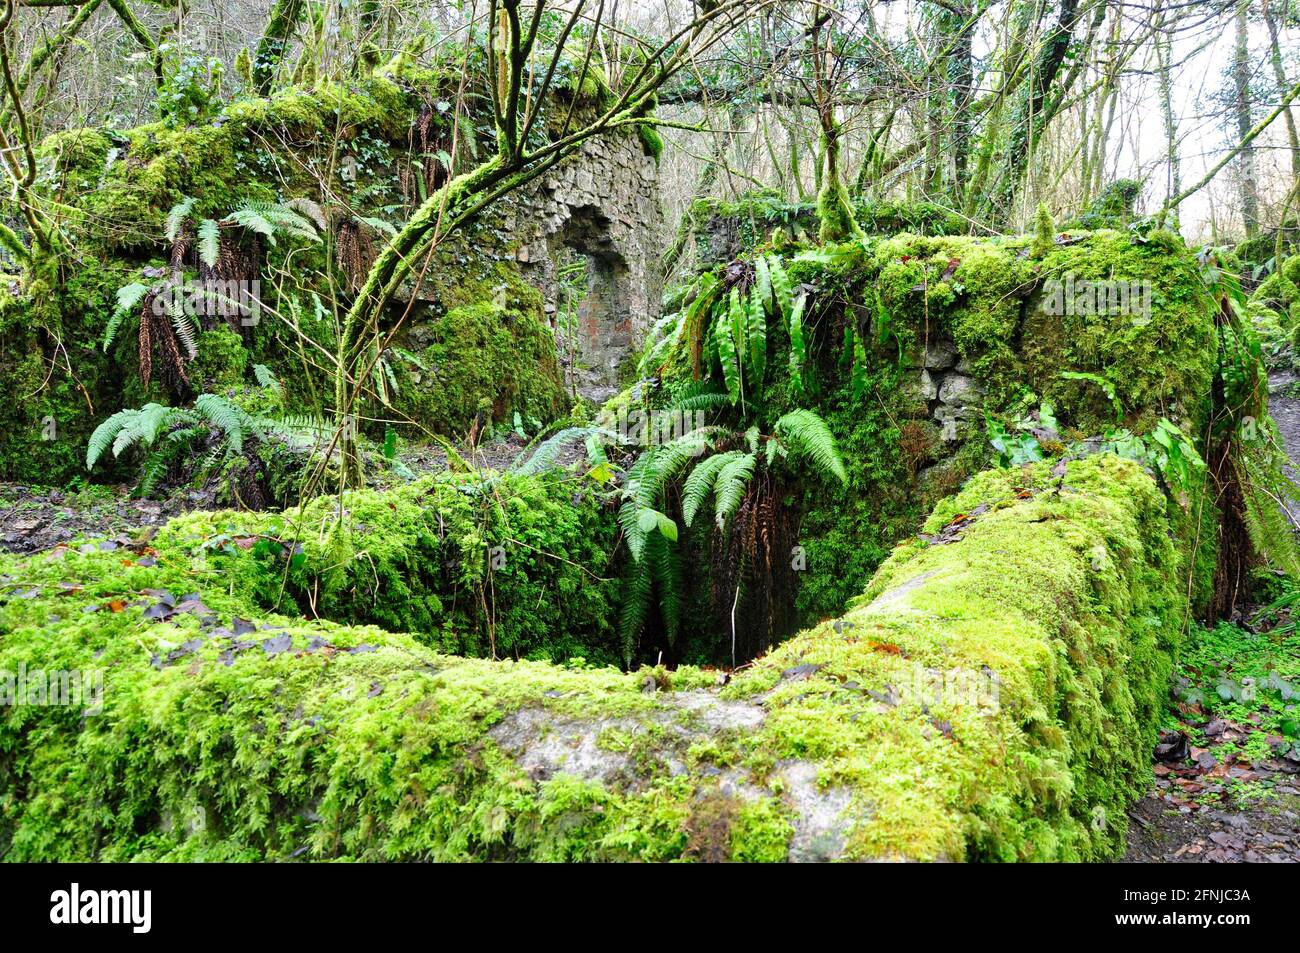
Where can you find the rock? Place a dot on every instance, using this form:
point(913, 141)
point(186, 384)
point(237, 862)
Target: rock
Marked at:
point(959, 390)
point(940, 355)
point(929, 389)
point(949, 420)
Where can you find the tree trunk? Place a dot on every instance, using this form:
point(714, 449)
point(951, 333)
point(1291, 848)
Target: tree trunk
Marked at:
point(1248, 186)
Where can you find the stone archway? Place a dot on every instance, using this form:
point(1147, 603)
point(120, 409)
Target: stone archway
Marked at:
point(601, 205)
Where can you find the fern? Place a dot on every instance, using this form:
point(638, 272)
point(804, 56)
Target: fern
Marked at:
point(737, 326)
point(702, 400)
point(810, 439)
point(209, 242)
point(756, 332)
point(669, 578)
point(798, 349)
point(176, 217)
point(183, 325)
point(548, 451)
point(379, 225)
point(1272, 498)
point(102, 437)
point(635, 608)
point(782, 290)
point(695, 328)
point(763, 284)
point(699, 485)
point(1106, 385)
point(227, 417)
point(268, 218)
point(128, 427)
point(253, 221)
point(265, 378)
point(728, 354)
point(129, 297)
point(733, 480)
point(310, 210)
point(170, 432)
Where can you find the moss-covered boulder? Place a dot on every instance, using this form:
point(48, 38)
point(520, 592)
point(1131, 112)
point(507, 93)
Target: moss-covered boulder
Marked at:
point(993, 697)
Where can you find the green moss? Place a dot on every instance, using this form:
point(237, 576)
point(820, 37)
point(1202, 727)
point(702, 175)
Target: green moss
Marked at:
point(1113, 208)
point(221, 362)
point(357, 743)
point(516, 567)
point(501, 353)
point(836, 222)
point(999, 310)
point(1275, 304)
point(651, 141)
point(1044, 232)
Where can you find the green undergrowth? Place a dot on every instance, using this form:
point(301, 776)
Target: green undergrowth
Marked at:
point(513, 566)
point(1250, 677)
point(229, 732)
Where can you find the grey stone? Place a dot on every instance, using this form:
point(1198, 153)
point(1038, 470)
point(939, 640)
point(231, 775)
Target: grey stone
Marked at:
point(959, 390)
point(940, 355)
point(929, 389)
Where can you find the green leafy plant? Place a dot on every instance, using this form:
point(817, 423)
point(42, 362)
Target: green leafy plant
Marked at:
point(214, 425)
point(1106, 385)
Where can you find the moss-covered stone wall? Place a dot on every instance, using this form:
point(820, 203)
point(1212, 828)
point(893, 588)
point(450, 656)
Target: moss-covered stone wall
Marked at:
point(917, 347)
point(992, 697)
point(363, 154)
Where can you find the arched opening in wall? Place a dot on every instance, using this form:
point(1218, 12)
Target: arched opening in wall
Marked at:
point(588, 306)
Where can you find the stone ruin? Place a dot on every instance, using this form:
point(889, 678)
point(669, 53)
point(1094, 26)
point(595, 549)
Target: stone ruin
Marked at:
point(603, 205)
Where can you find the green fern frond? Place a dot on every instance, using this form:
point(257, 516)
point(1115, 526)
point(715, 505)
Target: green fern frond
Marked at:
point(668, 574)
point(102, 437)
point(282, 217)
point(209, 242)
point(310, 210)
point(548, 451)
point(635, 610)
point(1271, 498)
point(798, 349)
point(782, 289)
point(756, 333)
point(379, 225)
point(184, 326)
point(732, 482)
point(253, 221)
point(728, 355)
point(763, 284)
point(176, 217)
point(808, 437)
point(266, 378)
point(699, 484)
point(703, 400)
point(232, 421)
point(129, 297)
point(738, 326)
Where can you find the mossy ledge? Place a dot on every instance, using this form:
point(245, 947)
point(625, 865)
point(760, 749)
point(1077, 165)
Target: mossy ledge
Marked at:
point(224, 739)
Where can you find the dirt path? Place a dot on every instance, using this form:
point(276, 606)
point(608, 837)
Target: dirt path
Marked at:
point(1208, 806)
